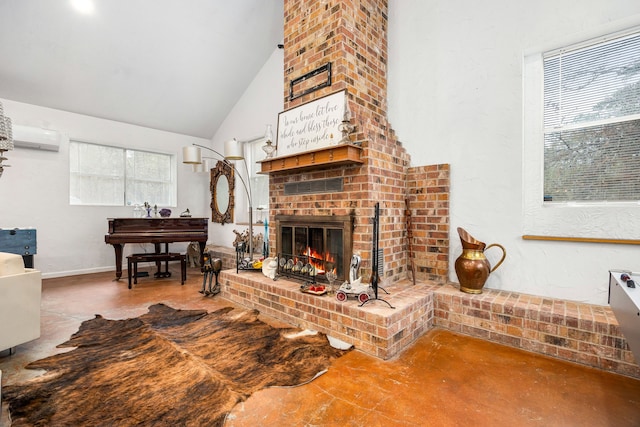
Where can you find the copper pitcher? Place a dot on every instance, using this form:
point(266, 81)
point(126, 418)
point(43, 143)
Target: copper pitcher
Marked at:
point(472, 266)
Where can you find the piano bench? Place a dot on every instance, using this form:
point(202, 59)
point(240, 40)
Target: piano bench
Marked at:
point(158, 258)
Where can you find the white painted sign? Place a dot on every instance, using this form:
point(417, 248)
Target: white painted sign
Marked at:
point(311, 126)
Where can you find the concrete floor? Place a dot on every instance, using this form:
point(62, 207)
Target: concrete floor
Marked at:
point(444, 379)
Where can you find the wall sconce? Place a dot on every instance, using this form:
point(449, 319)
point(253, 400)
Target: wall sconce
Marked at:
point(6, 138)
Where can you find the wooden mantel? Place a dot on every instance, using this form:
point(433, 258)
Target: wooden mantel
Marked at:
point(329, 156)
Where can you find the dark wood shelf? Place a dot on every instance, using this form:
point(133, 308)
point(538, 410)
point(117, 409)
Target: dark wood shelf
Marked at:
point(329, 156)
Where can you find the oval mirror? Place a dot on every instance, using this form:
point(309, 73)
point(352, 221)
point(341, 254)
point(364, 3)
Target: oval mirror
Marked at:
point(222, 190)
point(222, 193)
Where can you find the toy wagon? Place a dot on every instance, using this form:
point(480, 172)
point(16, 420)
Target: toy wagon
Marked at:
point(361, 291)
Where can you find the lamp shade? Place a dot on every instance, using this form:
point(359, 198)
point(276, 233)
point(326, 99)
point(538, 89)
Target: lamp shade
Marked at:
point(203, 167)
point(233, 150)
point(191, 155)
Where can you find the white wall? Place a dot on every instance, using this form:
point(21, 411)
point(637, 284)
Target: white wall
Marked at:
point(258, 106)
point(455, 94)
point(34, 191)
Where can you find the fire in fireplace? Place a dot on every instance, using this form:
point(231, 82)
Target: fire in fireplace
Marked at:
point(311, 246)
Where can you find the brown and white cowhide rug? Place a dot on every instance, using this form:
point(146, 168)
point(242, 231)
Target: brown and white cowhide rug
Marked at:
point(166, 368)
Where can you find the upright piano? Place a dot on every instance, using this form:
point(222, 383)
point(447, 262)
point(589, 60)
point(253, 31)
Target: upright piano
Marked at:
point(156, 231)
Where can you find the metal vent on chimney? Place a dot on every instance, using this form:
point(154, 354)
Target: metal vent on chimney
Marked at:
point(330, 185)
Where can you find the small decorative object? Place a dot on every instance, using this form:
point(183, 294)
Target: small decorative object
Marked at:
point(266, 238)
point(243, 238)
point(346, 127)
point(193, 254)
point(331, 278)
point(354, 287)
point(147, 207)
point(155, 211)
point(354, 268)
point(472, 266)
point(269, 148)
point(269, 267)
point(310, 288)
point(185, 214)
point(363, 292)
point(260, 210)
point(137, 211)
point(210, 267)
point(165, 213)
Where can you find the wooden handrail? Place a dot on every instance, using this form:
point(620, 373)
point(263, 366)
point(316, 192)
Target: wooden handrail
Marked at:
point(583, 239)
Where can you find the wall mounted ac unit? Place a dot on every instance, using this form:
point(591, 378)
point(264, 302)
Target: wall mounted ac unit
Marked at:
point(38, 138)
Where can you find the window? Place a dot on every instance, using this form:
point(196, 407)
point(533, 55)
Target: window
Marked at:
point(592, 122)
point(112, 176)
point(581, 136)
point(259, 183)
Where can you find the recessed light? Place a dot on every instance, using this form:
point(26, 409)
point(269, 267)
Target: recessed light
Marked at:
point(85, 7)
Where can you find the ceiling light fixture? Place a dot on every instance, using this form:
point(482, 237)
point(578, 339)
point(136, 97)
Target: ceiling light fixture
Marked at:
point(86, 7)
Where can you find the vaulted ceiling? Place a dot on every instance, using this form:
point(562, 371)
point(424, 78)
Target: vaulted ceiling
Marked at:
point(174, 65)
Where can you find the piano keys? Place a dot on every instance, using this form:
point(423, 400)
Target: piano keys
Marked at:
point(156, 231)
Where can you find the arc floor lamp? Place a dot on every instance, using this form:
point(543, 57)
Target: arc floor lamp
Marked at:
point(233, 150)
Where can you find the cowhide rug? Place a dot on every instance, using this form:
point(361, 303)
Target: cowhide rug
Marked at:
point(166, 368)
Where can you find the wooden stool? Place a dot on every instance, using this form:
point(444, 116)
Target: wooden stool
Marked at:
point(158, 258)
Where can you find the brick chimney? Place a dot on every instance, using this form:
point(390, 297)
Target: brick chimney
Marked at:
point(352, 36)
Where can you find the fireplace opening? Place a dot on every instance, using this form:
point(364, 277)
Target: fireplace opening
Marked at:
point(309, 247)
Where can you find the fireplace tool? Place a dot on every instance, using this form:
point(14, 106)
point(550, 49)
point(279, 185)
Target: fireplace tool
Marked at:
point(375, 260)
point(410, 241)
point(210, 267)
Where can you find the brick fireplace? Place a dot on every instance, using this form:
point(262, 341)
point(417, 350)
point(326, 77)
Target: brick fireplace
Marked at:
point(342, 190)
point(340, 187)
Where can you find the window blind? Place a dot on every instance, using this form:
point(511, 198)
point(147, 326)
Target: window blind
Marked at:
point(113, 176)
point(592, 122)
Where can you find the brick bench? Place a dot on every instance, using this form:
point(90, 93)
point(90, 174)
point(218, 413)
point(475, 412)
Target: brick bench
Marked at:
point(158, 258)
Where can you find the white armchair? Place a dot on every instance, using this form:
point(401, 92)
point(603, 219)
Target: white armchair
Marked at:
point(20, 294)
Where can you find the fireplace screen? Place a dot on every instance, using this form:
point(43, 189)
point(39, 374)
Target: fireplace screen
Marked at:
point(311, 247)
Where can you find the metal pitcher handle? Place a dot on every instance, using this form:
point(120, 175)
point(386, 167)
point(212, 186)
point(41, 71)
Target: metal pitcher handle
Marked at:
point(504, 255)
